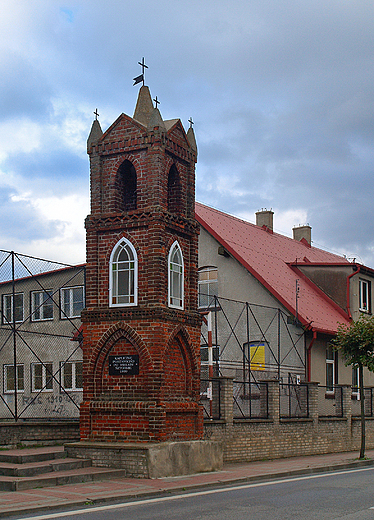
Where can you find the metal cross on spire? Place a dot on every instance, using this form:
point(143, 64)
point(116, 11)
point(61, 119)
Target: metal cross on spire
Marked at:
point(191, 122)
point(157, 102)
point(96, 114)
point(140, 78)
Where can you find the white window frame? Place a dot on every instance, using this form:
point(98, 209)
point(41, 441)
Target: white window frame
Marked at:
point(39, 307)
point(356, 387)
point(6, 390)
point(8, 308)
point(44, 367)
point(178, 270)
point(73, 365)
point(67, 308)
point(364, 296)
point(121, 245)
point(205, 286)
point(330, 365)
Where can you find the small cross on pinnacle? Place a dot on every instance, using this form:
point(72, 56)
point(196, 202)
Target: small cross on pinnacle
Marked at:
point(191, 122)
point(96, 114)
point(156, 101)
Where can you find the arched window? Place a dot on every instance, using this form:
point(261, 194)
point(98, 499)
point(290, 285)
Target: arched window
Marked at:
point(176, 277)
point(174, 191)
point(126, 187)
point(123, 275)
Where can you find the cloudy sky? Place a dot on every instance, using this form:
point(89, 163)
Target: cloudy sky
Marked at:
point(281, 93)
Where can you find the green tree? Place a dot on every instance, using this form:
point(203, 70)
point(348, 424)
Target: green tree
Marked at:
point(356, 343)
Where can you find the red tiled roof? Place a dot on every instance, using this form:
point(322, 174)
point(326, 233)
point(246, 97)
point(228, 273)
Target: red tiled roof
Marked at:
point(271, 258)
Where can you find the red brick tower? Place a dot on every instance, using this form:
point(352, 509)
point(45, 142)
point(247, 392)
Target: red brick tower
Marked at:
point(141, 326)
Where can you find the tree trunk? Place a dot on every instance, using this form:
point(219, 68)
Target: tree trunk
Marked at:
point(362, 398)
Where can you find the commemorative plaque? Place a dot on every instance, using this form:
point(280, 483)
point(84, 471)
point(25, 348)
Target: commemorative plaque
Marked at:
point(124, 365)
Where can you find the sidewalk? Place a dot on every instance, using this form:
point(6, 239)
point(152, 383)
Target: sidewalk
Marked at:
point(89, 493)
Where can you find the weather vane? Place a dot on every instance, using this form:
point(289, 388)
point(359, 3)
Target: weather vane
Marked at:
point(140, 78)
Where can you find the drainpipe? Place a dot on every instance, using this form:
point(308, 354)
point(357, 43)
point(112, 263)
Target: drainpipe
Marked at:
point(309, 357)
point(348, 289)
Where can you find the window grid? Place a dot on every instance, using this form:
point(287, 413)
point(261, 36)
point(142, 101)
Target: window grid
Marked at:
point(8, 308)
point(42, 305)
point(72, 375)
point(330, 369)
point(9, 380)
point(123, 275)
point(176, 277)
point(41, 377)
point(208, 286)
point(72, 302)
point(364, 296)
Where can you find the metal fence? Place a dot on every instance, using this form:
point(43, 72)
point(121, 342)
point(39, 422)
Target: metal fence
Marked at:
point(250, 400)
point(330, 401)
point(252, 342)
point(293, 400)
point(40, 342)
point(368, 402)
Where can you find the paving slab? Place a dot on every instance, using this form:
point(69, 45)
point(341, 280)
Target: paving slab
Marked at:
point(82, 494)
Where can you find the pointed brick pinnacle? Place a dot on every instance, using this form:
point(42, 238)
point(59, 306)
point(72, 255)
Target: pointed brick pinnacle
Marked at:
point(95, 133)
point(144, 106)
point(191, 138)
point(156, 120)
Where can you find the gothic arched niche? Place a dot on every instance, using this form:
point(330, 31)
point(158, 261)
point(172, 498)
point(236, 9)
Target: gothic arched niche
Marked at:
point(126, 187)
point(174, 191)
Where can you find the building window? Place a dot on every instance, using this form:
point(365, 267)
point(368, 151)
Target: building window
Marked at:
point(330, 369)
point(208, 287)
point(355, 383)
point(72, 302)
point(41, 305)
point(9, 379)
point(72, 375)
point(123, 275)
point(176, 277)
point(41, 377)
point(8, 308)
point(364, 296)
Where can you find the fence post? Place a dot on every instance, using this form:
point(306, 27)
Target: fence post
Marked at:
point(227, 396)
point(273, 400)
point(313, 392)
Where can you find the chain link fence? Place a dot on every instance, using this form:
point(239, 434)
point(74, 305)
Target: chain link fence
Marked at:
point(40, 340)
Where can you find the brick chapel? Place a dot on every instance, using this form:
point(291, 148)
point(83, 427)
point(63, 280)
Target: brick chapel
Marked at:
point(141, 327)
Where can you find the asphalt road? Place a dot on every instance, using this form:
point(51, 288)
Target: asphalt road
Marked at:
point(343, 495)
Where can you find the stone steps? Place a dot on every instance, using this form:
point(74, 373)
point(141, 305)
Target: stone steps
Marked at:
point(41, 467)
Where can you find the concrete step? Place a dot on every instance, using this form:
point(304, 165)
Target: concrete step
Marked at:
point(32, 469)
point(28, 455)
point(59, 478)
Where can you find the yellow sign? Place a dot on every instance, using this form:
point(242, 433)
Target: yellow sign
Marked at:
point(257, 357)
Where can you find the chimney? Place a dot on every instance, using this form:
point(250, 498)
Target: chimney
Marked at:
point(303, 232)
point(265, 218)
